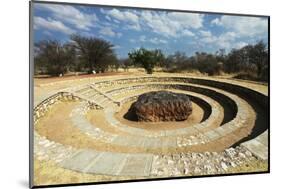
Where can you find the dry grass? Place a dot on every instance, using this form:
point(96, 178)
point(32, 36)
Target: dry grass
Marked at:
point(250, 166)
point(47, 173)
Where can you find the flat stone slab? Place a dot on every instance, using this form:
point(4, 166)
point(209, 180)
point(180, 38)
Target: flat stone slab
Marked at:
point(137, 165)
point(128, 141)
point(257, 146)
point(223, 130)
point(108, 164)
point(169, 142)
point(212, 135)
point(152, 143)
point(80, 160)
point(263, 138)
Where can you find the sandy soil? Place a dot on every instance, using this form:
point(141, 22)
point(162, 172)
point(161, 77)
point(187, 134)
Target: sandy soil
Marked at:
point(42, 80)
point(97, 117)
point(57, 126)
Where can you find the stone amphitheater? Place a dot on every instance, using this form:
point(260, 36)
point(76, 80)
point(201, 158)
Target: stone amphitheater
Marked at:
point(80, 129)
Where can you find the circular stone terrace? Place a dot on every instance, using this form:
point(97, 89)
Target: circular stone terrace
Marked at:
point(81, 128)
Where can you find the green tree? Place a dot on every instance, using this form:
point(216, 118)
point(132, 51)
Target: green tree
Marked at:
point(221, 55)
point(250, 59)
point(258, 55)
point(54, 57)
point(177, 62)
point(207, 63)
point(109, 61)
point(146, 58)
point(94, 52)
point(125, 63)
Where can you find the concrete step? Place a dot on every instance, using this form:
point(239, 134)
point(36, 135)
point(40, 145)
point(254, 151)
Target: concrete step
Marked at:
point(258, 146)
point(109, 163)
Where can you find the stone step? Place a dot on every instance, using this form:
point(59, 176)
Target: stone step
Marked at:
point(83, 90)
point(103, 100)
point(108, 103)
point(137, 165)
point(90, 93)
point(80, 160)
point(93, 96)
point(109, 163)
point(98, 98)
point(258, 146)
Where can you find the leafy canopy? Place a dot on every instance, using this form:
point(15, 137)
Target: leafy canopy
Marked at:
point(146, 58)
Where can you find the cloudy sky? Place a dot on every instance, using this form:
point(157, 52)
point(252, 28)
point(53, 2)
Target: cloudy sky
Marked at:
point(130, 29)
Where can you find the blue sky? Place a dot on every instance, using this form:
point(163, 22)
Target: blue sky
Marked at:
point(129, 29)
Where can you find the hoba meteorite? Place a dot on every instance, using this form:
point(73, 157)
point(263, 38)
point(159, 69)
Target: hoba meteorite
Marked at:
point(162, 106)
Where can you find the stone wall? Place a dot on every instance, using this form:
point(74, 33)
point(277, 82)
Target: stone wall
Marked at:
point(236, 89)
point(40, 110)
point(208, 92)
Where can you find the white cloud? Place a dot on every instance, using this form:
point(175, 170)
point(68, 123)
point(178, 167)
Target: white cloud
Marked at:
point(70, 15)
point(157, 41)
point(116, 21)
point(116, 14)
point(154, 40)
point(136, 27)
point(171, 24)
point(240, 44)
point(191, 20)
point(130, 17)
point(107, 31)
point(117, 47)
point(225, 40)
point(205, 33)
point(244, 26)
point(216, 21)
point(51, 24)
point(187, 33)
point(108, 18)
point(123, 15)
point(168, 24)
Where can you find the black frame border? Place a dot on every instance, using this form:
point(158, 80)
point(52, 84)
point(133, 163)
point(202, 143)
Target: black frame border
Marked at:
point(31, 95)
